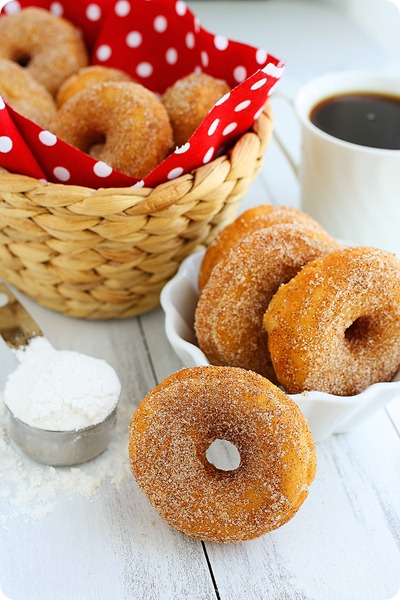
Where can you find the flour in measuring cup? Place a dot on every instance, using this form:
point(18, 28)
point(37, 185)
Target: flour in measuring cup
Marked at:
point(60, 390)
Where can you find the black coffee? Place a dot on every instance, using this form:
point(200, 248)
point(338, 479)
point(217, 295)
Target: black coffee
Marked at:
point(366, 119)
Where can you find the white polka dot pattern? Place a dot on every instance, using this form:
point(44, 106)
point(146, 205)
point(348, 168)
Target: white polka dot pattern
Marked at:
point(144, 69)
point(61, 173)
point(56, 9)
point(12, 7)
point(183, 148)
point(93, 12)
point(157, 43)
point(221, 43)
point(47, 138)
point(213, 127)
point(160, 24)
point(103, 52)
point(171, 56)
point(122, 8)
point(133, 39)
point(240, 73)
point(5, 144)
point(174, 173)
point(208, 155)
point(102, 169)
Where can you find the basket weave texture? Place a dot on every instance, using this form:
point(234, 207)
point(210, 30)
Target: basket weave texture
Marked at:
point(107, 253)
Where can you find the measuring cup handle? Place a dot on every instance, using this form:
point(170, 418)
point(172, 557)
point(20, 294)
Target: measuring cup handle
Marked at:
point(16, 325)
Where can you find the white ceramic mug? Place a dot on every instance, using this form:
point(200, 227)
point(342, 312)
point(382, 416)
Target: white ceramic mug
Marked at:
point(351, 190)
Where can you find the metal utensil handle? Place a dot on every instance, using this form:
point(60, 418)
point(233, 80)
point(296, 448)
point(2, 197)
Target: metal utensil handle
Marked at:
point(17, 327)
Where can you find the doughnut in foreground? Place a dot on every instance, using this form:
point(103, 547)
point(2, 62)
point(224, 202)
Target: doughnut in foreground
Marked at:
point(124, 122)
point(49, 47)
point(335, 327)
point(25, 94)
point(230, 310)
point(251, 220)
point(189, 100)
point(177, 422)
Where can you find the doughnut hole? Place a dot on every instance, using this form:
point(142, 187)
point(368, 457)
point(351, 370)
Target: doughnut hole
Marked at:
point(95, 144)
point(359, 331)
point(23, 59)
point(223, 455)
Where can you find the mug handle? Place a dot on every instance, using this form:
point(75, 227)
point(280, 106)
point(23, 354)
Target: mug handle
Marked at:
point(293, 164)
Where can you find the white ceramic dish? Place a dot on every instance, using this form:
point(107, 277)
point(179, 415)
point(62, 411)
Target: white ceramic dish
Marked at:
point(326, 414)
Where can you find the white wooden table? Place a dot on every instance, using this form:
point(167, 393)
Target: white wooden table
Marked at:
point(89, 533)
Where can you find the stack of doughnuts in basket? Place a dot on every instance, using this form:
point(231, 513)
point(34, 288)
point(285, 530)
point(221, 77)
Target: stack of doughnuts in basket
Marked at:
point(97, 109)
point(279, 296)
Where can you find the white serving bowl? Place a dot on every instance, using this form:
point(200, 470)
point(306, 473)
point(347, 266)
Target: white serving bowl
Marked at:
point(326, 413)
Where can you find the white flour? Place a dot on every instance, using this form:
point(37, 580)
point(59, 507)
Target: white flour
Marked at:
point(60, 390)
point(40, 391)
point(30, 491)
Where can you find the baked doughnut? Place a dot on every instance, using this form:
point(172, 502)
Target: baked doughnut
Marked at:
point(26, 95)
point(336, 326)
point(251, 220)
point(49, 47)
point(230, 310)
point(189, 100)
point(126, 124)
point(176, 423)
point(87, 77)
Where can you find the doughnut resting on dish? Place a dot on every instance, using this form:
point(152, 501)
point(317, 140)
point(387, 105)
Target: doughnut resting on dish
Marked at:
point(230, 310)
point(251, 220)
point(335, 327)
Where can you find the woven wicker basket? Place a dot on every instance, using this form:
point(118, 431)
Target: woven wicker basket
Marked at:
point(107, 253)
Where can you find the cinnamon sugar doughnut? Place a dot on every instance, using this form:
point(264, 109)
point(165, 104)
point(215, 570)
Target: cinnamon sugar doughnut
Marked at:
point(49, 47)
point(26, 95)
point(230, 310)
point(87, 77)
point(251, 220)
point(176, 423)
point(189, 100)
point(336, 326)
point(126, 123)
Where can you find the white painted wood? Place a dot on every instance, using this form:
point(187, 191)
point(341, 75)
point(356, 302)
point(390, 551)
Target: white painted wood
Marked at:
point(344, 544)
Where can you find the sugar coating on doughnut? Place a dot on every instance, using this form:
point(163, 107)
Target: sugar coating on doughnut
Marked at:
point(335, 327)
point(87, 77)
point(49, 47)
point(251, 220)
point(25, 94)
point(177, 422)
point(124, 122)
point(189, 100)
point(230, 310)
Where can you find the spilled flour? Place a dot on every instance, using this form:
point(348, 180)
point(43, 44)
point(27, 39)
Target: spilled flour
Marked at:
point(30, 490)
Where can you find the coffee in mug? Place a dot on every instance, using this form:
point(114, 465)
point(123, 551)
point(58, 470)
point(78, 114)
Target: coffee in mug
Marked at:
point(364, 118)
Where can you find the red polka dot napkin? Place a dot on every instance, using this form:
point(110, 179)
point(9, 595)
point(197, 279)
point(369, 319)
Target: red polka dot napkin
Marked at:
point(156, 42)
